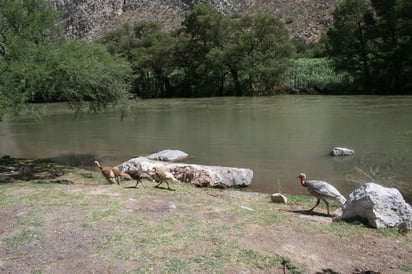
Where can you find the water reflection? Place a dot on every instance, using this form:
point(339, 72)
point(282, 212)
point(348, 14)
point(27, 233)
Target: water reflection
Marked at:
point(277, 137)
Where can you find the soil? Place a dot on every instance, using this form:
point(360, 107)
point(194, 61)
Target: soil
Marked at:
point(66, 246)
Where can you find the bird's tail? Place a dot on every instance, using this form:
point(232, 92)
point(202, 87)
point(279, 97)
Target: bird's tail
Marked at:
point(122, 174)
point(125, 175)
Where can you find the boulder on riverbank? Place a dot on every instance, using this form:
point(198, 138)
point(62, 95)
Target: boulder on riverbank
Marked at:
point(199, 175)
point(381, 206)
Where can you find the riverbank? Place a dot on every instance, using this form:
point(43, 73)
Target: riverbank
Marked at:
point(78, 223)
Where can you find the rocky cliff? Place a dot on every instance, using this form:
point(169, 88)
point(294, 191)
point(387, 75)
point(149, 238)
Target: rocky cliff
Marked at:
point(91, 18)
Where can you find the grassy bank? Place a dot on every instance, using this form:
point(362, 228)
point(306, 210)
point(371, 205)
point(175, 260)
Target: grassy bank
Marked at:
point(90, 226)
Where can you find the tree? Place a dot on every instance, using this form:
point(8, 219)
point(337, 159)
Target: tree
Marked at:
point(234, 56)
point(204, 32)
point(349, 44)
point(38, 65)
point(150, 53)
point(392, 33)
point(372, 41)
point(257, 54)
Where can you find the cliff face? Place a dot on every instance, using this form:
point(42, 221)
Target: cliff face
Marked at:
point(92, 18)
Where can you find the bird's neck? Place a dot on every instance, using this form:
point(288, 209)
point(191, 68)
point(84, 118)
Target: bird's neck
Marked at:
point(302, 182)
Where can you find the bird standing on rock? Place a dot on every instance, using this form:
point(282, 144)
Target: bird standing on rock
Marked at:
point(161, 175)
point(138, 174)
point(321, 190)
point(112, 174)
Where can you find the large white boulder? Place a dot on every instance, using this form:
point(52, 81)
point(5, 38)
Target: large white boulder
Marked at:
point(381, 206)
point(200, 175)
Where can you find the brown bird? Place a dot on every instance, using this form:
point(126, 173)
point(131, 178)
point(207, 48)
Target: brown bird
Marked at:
point(112, 174)
point(321, 190)
point(138, 174)
point(161, 175)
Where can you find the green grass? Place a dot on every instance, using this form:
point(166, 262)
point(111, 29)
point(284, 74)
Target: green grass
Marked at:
point(189, 230)
point(25, 236)
point(407, 268)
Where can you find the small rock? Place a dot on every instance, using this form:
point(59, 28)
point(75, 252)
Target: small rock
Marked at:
point(279, 198)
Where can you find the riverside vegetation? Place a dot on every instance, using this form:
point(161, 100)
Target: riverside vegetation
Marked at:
point(78, 222)
point(365, 50)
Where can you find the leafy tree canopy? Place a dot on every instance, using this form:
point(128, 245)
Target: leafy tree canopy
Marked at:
point(38, 65)
point(371, 40)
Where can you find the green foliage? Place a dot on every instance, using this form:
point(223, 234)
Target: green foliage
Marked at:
point(305, 49)
point(372, 41)
point(38, 65)
point(211, 55)
point(316, 73)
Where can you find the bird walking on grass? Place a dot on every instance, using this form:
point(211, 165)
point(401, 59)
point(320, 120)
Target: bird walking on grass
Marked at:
point(138, 174)
point(112, 174)
point(161, 175)
point(321, 190)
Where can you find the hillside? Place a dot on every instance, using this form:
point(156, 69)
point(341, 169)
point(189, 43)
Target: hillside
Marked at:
point(90, 19)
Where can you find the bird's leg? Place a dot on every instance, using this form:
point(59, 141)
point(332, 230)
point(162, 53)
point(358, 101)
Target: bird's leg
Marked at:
point(327, 205)
point(158, 184)
point(317, 203)
point(168, 187)
point(139, 181)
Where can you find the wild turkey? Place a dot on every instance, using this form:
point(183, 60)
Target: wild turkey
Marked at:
point(138, 174)
point(112, 174)
point(161, 175)
point(321, 190)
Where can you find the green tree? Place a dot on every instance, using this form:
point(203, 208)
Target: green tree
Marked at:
point(349, 44)
point(204, 33)
point(234, 56)
point(392, 33)
point(38, 65)
point(258, 54)
point(150, 52)
point(371, 40)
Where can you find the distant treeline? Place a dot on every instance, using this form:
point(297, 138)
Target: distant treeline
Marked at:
point(367, 49)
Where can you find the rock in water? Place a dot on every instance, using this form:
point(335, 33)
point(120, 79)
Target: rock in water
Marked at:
point(381, 206)
point(342, 151)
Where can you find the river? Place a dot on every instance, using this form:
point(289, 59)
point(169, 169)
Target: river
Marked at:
point(277, 137)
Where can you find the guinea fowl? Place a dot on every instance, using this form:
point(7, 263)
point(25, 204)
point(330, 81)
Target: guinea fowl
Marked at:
point(112, 174)
point(321, 190)
point(138, 174)
point(161, 175)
